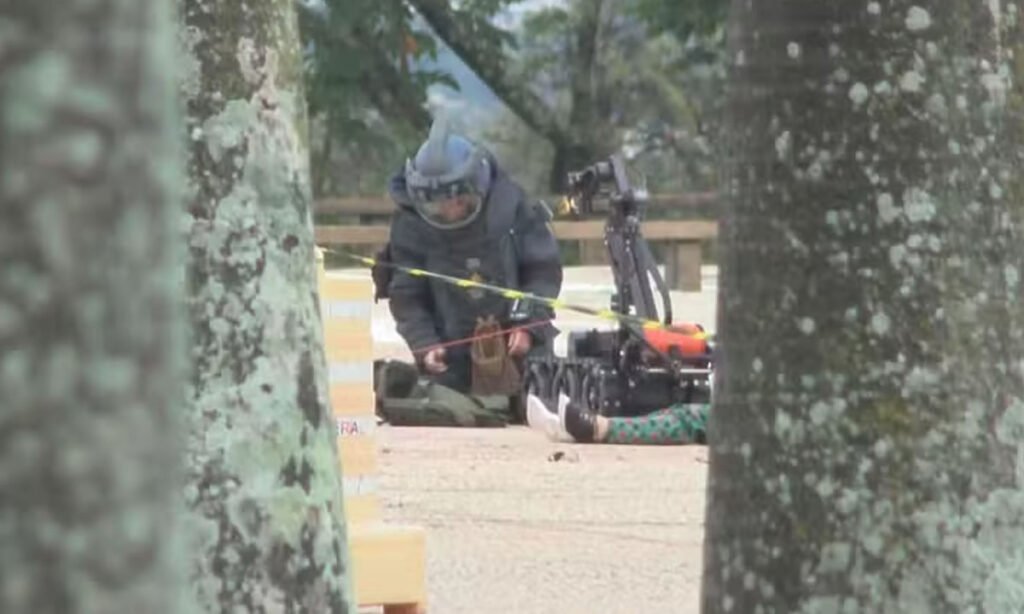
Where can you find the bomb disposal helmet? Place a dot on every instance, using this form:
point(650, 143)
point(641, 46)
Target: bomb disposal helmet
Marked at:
point(448, 179)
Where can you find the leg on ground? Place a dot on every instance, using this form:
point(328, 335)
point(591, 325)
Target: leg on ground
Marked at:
point(675, 425)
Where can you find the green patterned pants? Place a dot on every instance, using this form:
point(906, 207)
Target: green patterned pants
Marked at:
point(678, 424)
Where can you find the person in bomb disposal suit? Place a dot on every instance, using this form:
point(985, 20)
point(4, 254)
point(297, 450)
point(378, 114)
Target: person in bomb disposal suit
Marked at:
point(459, 214)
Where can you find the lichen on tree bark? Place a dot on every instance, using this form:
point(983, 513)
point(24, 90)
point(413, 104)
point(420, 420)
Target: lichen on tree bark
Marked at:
point(869, 409)
point(264, 484)
point(91, 322)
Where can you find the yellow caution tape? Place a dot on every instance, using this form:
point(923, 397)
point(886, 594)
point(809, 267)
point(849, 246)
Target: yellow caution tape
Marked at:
point(554, 303)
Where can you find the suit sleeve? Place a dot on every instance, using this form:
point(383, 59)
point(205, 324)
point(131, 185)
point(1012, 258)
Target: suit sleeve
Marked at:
point(411, 304)
point(540, 265)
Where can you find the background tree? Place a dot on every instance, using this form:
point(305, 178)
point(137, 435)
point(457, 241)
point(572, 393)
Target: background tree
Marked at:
point(618, 78)
point(870, 405)
point(91, 326)
point(577, 81)
point(468, 29)
point(367, 92)
point(264, 485)
point(577, 73)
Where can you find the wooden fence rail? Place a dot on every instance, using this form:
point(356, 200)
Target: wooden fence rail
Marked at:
point(382, 205)
point(679, 241)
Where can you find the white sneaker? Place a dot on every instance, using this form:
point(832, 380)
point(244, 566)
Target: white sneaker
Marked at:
point(540, 418)
point(563, 401)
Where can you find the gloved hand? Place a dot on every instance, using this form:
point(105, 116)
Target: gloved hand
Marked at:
point(433, 361)
point(519, 342)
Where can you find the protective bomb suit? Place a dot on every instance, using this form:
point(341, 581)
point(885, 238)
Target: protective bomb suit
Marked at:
point(459, 214)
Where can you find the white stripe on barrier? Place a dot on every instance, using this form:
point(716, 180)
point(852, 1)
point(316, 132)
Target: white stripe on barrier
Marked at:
point(350, 372)
point(348, 309)
point(356, 425)
point(362, 485)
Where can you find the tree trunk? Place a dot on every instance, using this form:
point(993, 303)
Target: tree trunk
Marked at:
point(869, 404)
point(264, 486)
point(91, 328)
point(584, 129)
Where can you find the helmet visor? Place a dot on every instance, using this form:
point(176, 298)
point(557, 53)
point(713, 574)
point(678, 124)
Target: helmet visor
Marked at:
point(451, 206)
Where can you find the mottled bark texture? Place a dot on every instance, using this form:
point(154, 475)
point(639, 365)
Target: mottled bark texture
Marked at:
point(264, 485)
point(91, 326)
point(869, 408)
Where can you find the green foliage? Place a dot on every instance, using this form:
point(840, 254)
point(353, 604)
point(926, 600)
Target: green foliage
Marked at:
point(683, 18)
point(652, 88)
point(365, 100)
point(367, 85)
point(655, 82)
point(523, 154)
point(479, 16)
point(682, 70)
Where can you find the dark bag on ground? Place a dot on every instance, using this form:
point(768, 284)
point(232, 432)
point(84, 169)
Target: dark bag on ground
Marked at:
point(406, 399)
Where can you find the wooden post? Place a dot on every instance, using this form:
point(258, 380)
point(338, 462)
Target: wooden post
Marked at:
point(682, 265)
point(593, 252)
point(388, 561)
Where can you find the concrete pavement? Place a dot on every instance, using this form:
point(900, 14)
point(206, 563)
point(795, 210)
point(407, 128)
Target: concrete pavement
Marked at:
point(510, 530)
point(604, 529)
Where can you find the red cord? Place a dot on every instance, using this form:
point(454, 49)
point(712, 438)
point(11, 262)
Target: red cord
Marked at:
point(479, 337)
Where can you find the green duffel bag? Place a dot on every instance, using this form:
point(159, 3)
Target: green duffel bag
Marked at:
point(405, 399)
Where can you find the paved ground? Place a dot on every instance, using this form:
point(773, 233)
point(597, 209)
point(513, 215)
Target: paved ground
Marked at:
point(610, 529)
